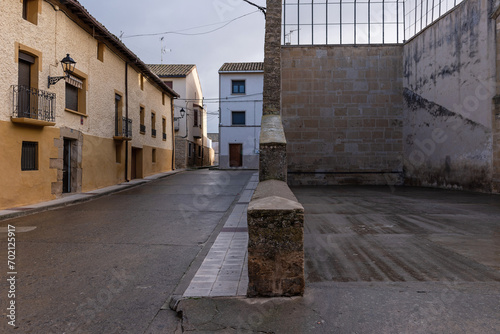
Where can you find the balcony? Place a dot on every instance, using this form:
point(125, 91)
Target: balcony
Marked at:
point(123, 129)
point(164, 136)
point(153, 133)
point(32, 106)
point(196, 132)
point(143, 129)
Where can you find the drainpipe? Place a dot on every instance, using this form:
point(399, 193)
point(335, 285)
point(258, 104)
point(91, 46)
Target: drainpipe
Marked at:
point(173, 131)
point(202, 137)
point(126, 123)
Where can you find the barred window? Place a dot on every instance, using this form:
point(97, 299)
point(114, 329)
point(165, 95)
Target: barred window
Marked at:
point(29, 156)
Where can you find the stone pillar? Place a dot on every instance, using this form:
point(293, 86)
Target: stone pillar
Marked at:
point(273, 163)
point(275, 218)
point(272, 59)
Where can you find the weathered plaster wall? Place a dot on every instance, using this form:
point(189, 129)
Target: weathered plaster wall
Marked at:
point(342, 114)
point(449, 71)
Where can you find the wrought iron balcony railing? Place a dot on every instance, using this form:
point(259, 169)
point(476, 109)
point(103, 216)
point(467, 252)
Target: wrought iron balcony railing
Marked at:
point(153, 132)
point(123, 128)
point(34, 104)
point(164, 136)
point(143, 128)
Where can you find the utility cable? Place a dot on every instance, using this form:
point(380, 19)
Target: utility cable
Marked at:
point(180, 32)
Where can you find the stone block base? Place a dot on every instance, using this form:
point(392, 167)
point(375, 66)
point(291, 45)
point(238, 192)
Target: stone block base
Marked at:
point(276, 242)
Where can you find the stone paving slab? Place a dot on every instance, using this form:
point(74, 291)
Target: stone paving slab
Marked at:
point(224, 272)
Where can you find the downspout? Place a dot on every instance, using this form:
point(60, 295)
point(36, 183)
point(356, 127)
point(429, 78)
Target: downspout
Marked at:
point(173, 131)
point(126, 123)
point(202, 136)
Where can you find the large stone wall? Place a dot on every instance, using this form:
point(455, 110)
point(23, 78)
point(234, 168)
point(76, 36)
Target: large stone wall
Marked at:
point(449, 80)
point(342, 114)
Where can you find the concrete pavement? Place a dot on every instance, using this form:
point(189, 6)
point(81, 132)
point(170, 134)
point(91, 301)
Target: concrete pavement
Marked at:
point(380, 260)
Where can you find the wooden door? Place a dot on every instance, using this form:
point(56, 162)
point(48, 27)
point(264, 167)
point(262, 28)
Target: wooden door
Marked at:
point(24, 88)
point(235, 155)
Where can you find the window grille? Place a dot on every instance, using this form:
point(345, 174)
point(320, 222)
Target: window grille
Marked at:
point(29, 156)
point(327, 22)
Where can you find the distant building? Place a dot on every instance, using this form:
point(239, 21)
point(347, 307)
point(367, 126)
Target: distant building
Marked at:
point(192, 147)
point(215, 145)
point(241, 87)
point(107, 121)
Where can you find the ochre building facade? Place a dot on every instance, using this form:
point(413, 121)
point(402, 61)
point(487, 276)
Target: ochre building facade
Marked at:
point(110, 121)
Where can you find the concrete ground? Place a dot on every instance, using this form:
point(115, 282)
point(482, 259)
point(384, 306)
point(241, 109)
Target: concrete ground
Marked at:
point(380, 260)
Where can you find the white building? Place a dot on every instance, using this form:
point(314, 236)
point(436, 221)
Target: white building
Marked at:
point(192, 147)
point(240, 107)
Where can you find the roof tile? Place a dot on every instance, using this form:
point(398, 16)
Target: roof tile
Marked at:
point(242, 67)
point(171, 70)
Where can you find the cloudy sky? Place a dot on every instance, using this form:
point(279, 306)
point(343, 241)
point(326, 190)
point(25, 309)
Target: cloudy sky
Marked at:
point(186, 26)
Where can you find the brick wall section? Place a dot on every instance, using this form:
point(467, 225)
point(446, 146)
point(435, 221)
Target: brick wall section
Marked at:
point(342, 114)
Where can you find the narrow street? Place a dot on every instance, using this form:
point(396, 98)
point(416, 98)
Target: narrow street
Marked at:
point(109, 265)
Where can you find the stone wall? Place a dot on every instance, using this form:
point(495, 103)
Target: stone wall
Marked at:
point(342, 114)
point(181, 151)
point(449, 80)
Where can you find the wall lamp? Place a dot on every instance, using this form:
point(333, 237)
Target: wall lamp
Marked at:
point(68, 66)
point(183, 113)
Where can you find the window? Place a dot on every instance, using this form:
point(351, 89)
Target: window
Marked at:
point(100, 51)
point(238, 87)
point(199, 151)
point(195, 115)
point(141, 115)
point(30, 10)
point(169, 84)
point(76, 94)
point(153, 124)
point(153, 155)
point(141, 81)
point(238, 118)
point(29, 156)
point(163, 98)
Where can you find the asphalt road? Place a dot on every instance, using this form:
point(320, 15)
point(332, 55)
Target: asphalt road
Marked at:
point(109, 265)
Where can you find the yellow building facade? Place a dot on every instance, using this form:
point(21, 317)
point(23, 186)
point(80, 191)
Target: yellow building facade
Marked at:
point(108, 121)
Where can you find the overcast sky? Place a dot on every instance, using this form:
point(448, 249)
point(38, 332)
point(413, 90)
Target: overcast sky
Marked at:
point(239, 41)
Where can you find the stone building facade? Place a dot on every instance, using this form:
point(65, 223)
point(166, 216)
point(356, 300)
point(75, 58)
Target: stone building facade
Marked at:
point(424, 112)
point(111, 121)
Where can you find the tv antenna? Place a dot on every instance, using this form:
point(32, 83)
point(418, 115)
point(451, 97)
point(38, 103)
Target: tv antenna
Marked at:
point(163, 49)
